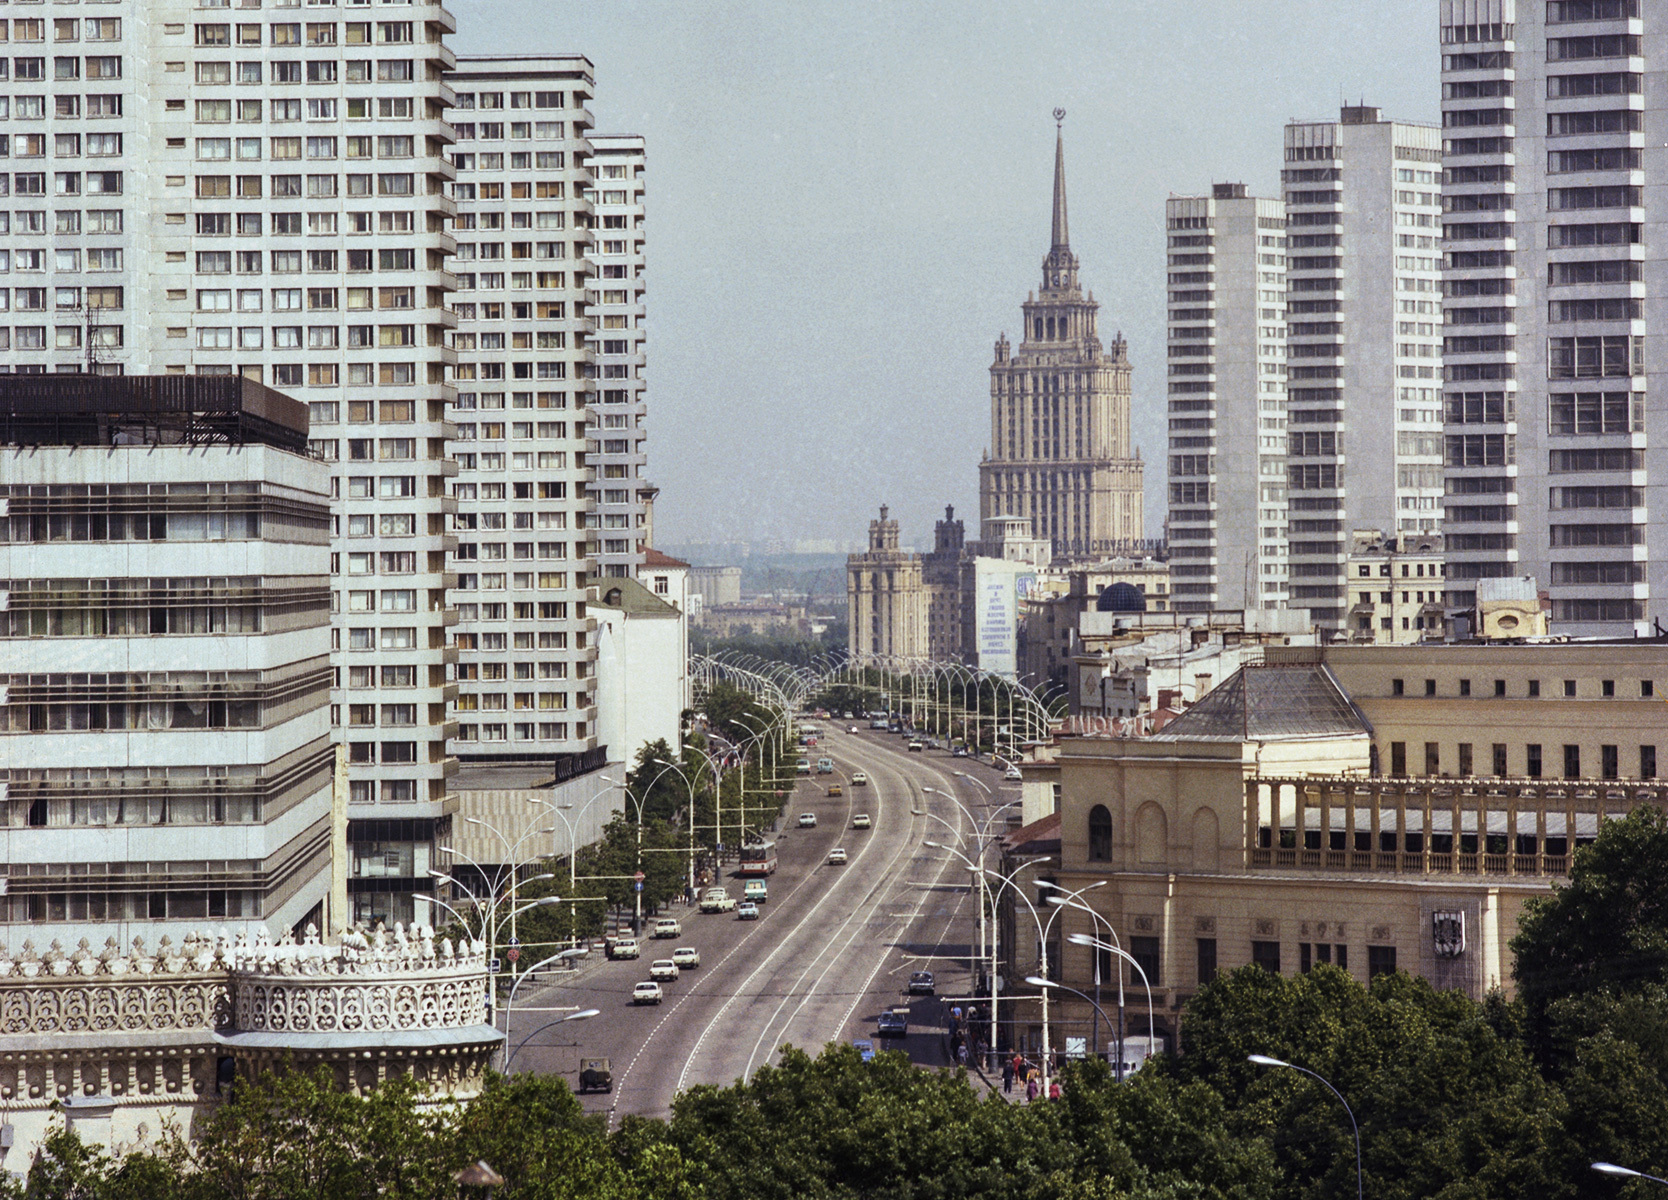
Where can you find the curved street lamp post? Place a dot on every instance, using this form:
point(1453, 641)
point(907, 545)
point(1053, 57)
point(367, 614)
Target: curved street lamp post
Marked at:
point(1263, 1060)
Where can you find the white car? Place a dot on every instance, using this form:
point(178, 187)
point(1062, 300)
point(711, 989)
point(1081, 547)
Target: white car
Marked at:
point(717, 899)
point(663, 970)
point(686, 957)
point(668, 927)
point(1012, 773)
point(807, 820)
point(837, 857)
point(646, 993)
point(860, 821)
point(859, 779)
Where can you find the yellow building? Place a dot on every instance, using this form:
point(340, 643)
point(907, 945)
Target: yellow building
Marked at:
point(1370, 806)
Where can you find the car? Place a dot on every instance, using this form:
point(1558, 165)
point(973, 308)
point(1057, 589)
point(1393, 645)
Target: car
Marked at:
point(892, 1022)
point(865, 1049)
point(835, 789)
point(825, 766)
point(1013, 773)
point(859, 779)
point(917, 745)
point(755, 890)
point(717, 899)
point(851, 716)
point(959, 752)
point(860, 821)
point(878, 723)
point(595, 1075)
point(647, 993)
point(625, 947)
point(663, 970)
point(747, 911)
point(920, 983)
point(687, 958)
point(803, 767)
point(807, 820)
point(668, 927)
point(837, 857)
point(853, 729)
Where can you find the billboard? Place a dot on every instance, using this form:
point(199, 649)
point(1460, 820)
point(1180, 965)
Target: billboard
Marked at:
point(998, 587)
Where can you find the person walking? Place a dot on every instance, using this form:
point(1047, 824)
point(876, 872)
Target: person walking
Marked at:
point(1031, 1085)
point(1054, 1089)
point(1008, 1075)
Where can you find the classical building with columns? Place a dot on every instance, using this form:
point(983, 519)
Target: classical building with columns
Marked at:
point(1060, 451)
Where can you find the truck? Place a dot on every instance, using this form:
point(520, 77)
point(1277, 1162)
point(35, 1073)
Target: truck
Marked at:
point(595, 1075)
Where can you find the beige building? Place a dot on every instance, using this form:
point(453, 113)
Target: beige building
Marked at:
point(1060, 450)
point(1373, 807)
point(886, 599)
point(1395, 587)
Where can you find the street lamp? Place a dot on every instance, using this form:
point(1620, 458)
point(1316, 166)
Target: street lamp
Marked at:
point(1263, 1060)
point(1084, 939)
point(583, 1015)
point(1605, 1168)
point(1037, 981)
point(1074, 899)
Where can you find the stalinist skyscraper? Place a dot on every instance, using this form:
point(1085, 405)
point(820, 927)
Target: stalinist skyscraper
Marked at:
point(1059, 416)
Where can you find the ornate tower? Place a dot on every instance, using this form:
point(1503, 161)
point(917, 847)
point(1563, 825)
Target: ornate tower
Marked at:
point(1060, 450)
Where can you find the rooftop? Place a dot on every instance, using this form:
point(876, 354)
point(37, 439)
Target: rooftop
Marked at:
point(1270, 703)
point(148, 410)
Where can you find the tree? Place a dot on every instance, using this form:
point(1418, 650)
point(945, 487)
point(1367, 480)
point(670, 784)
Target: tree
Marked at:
point(1606, 930)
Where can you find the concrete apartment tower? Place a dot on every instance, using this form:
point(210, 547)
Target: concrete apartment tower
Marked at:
point(1363, 326)
point(165, 748)
point(261, 191)
point(1227, 400)
point(1555, 270)
point(1060, 452)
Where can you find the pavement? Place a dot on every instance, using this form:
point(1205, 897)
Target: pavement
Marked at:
point(834, 945)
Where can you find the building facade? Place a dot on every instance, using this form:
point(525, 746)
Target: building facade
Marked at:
point(1364, 326)
point(1554, 267)
point(1227, 400)
point(1396, 587)
point(165, 742)
point(886, 600)
point(1060, 444)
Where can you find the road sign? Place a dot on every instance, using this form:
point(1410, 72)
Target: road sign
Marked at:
point(639, 877)
point(494, 966)
point(638, 885)
point(515, 941)
point(513, 953)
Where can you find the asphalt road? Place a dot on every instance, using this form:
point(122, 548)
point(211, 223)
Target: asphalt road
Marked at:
point(833, 947)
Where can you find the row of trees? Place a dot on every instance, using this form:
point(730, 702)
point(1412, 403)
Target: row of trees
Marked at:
point(1457, 1099)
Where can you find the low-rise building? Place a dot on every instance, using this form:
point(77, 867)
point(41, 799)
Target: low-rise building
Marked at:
point(1395, 587)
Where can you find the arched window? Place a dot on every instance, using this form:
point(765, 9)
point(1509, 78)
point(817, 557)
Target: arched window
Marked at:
point(1100, 834)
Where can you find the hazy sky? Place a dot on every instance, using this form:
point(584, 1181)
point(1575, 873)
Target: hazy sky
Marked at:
point(848, 201)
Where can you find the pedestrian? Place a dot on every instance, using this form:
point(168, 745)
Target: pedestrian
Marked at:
point(961, 1054)
point(1019, 1065)
point(1054, 1089)
point(1031, 1085)
point(1007, 1075)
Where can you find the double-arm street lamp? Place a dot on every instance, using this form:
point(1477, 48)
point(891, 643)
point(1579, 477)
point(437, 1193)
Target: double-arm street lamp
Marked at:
point(1263, 1060)
point(1070, 899)
point(1084, 939)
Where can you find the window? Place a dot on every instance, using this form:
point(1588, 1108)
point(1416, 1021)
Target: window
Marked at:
point(1609, 762)
point(1100, 834)
point(1500, 759)
point(1266, 955)
point(1145, 951)
point(1532, 765)
point(1647, 762)
point(1433, 758)
point(1398, 758)
point(1572, 762)
point(1465, 758)
point(1206, 951)
point(1397, 687)
point(1380, 960)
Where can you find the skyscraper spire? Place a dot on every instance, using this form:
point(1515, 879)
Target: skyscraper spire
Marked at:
point(1061, 238)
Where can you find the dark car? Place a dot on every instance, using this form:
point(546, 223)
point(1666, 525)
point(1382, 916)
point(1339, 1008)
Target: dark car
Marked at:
point(920, 983)
point(892, 1022)
point(595, 1075)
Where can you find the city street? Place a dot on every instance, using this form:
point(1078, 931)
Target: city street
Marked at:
point(833, 947)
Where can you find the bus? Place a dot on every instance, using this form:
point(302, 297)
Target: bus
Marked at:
point(757, 858)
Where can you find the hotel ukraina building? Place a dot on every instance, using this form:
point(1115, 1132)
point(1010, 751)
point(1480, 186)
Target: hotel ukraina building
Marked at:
point(321, 199)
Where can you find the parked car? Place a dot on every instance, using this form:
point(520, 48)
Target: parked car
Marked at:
point(717, 899)
point(663, 970)
point(892, 1022)
point(687, 958)
point(837, 857)
point(668, 927)
point(595, 1075)
point(624, 947)
point(920, 983)
point(865, 1049)
point(646, 993)
point(860, 821)
point(747, 911)
point(755, 890)
point(859, 779)
point(807, 820)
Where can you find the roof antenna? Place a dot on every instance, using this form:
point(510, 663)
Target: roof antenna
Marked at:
point(1059, 117)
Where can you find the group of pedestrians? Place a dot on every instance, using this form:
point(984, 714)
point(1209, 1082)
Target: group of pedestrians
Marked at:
point(1029, 1075)
point(965, 1040)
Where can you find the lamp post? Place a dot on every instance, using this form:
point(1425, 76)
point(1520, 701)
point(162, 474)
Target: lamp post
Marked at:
point(1071, 899)
point(1084, 939)
point(1037, 981)
point(1263, 1060)
point(583, 1015)
point(571, 824)
point(1604, 1168)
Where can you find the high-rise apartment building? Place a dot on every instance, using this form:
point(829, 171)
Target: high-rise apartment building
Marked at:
point(1060, 449)
point(1554, 264)
point(1227, 400)
point(1363, 326)
point(615, 452)
point(525, 645)
point(165, 747)
point(260, 190)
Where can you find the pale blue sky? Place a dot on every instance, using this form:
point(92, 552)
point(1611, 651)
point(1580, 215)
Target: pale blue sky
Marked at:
point(848, 201)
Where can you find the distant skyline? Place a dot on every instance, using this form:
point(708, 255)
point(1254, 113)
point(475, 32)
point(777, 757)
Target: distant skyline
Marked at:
point(848, 202)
